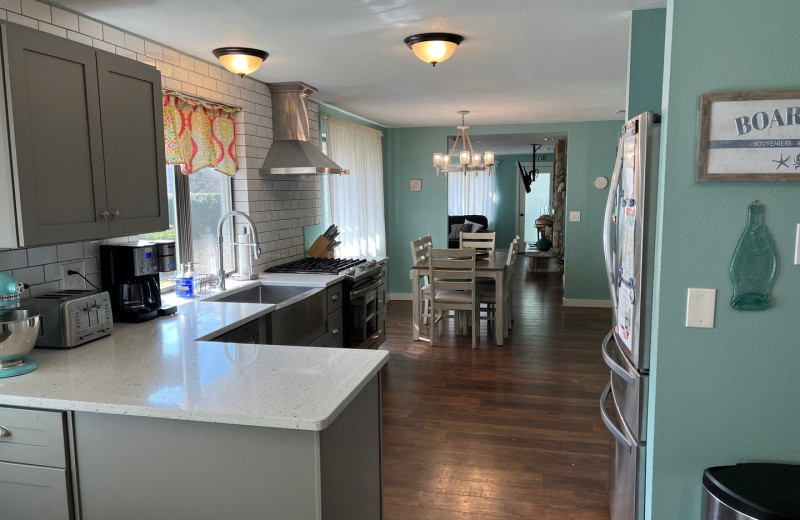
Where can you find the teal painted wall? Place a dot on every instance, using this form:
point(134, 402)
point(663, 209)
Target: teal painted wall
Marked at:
point(732, 393)
point(646, 61)
point(591, 148)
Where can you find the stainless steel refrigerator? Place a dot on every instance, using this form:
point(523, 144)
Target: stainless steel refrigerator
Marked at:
point(629, 247)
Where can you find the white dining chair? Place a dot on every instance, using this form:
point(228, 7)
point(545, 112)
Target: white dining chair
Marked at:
point(419, 252)
point(452, 278)
point(477, 241)
point(486, 291)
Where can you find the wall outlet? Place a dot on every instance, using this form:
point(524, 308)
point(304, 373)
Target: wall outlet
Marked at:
point(73, 281)
point(574, 216)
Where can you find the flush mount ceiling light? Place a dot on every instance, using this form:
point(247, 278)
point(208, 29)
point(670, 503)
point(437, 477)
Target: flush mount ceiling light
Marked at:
point(240, 60)
point(470, 161)
point(433, 48)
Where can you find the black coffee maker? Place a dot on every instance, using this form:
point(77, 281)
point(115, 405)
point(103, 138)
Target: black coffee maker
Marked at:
point(130, 275)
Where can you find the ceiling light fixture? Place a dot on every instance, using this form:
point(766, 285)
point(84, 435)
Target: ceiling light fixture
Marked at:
point(240, 60)
point(468, 159)
point(433, 48)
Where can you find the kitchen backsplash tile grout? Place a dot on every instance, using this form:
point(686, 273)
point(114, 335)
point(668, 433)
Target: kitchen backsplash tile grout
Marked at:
point(279, 207)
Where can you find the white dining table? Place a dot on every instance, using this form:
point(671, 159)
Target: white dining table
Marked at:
point(493, 266)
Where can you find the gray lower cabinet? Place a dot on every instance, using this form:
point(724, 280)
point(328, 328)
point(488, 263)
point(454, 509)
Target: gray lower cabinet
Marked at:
point(83, 154)
point(33, 492)
point(334, 324)
point(140, 467)
point(35, 483)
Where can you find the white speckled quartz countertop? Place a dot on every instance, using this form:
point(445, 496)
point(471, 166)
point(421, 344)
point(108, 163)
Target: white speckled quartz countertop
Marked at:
point(158, 369)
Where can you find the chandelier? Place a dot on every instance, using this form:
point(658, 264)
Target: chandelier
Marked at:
point(469, 161)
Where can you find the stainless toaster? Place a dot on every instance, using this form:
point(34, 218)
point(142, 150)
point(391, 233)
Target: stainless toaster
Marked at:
point(72, 318)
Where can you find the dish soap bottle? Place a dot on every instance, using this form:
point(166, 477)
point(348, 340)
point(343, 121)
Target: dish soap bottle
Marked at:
point(184, 284)
point(754, 264)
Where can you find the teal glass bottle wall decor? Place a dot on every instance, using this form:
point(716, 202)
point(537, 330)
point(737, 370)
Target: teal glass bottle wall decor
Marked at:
point(754, 264)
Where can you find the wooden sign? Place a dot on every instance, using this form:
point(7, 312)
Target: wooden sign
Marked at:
point(749, 136)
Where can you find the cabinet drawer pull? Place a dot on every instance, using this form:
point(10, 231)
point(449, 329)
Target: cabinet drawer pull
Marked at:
point(335, 331)
point(380, 302)
point(115, 213)
point(335, 297)
point(5, 432)
point(104, 214)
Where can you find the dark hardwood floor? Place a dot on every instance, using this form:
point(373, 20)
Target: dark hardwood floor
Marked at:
point(498, 432)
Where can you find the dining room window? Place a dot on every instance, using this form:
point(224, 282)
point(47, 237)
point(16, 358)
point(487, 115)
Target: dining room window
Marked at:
point(473, 194)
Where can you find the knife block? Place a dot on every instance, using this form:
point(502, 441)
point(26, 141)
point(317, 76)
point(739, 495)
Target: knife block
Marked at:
point(319, 249)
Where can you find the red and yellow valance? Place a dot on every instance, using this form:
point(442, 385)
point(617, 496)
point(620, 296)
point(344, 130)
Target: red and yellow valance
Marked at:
point(199, 135)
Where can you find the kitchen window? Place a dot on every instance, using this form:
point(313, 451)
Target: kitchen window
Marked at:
point(196, 203)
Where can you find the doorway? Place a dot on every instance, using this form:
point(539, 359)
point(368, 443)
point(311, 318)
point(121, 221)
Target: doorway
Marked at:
point(530, 206)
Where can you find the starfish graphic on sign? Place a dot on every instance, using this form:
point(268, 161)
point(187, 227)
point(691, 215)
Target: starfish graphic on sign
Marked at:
point(782, 161)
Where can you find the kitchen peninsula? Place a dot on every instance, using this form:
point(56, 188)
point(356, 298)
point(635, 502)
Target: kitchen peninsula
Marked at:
point(156, 424)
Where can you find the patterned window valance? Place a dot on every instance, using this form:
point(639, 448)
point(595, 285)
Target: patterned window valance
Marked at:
point(199, 135)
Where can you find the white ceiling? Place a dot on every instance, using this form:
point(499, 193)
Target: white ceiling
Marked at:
point(521, 61)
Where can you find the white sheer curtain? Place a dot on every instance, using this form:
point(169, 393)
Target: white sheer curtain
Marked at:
point(356, 200)
point(471, 194)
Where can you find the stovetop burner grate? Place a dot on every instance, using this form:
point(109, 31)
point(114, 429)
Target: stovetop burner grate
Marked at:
point(316, 265)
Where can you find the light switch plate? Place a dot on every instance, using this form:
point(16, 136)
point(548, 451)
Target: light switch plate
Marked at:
point(574, 216)
point(416, 184)
point(700, 308)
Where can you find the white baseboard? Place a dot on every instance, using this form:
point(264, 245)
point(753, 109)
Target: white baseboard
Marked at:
point(571, 302)
point(400, 297)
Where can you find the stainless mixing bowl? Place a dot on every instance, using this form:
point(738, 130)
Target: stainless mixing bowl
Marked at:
point(18, 332)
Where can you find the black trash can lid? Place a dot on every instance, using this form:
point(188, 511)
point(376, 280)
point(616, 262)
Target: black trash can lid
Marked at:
point(762, 490)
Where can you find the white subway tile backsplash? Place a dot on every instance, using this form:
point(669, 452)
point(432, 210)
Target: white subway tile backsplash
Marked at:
point(64, 19)
point(52, 29)
point(29, 275)
point(11, 5)
point(36, 10)
point(153, 50)
point(70, 251)
point(92, 248)
point(113, 35)
point(186, 62)
point(125, 52)
point(44, 288)
point(180, 74)
point(90, 27)
point(215, 72)
point(201, 67)
point(23, 20)
point(42, 255)
point(132, 43)
point(146, 59)
point(52, 272)
point(13, 259)
point(100, 44)
point(78, 37)
point(172, 57)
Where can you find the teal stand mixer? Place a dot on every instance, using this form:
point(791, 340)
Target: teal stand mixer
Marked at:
point(18, 330)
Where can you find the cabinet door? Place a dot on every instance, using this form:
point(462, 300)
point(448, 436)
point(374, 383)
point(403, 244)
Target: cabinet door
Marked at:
point(56, 143)
point(133, 145)
point(33, 493)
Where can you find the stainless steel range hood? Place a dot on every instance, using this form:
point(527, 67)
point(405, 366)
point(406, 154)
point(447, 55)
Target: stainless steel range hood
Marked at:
point(291, 153)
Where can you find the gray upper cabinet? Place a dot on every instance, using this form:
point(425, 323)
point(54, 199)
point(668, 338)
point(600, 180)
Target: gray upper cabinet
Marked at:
point(85, 134)
point(133, 144)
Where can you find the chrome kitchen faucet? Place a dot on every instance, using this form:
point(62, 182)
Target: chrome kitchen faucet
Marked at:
point(253, 244)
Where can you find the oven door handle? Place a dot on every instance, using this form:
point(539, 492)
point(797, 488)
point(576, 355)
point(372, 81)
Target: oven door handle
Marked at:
point(364, 290)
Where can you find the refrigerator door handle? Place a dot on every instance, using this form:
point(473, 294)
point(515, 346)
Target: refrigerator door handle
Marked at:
point(612, 195)
point(623, 372)
point(621, 437)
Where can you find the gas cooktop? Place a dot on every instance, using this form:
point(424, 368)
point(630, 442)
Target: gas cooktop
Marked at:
point(317, 266)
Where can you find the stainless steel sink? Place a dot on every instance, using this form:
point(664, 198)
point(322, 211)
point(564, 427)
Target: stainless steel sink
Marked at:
point(267, 294)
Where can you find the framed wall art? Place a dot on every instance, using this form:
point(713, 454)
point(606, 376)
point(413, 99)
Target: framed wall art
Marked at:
point(749, 136)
